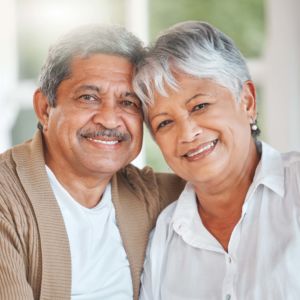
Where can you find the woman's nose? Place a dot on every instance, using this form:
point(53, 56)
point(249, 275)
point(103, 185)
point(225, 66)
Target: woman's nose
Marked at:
point(189, 130)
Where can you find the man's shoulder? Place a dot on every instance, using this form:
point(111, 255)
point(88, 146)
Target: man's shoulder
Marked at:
point(7, 160)
point(10, 182)
point(163, 188)
point(10, 186)
point(132, 174)
point(141, 181)
point(170, 180)
point(146, 175)
point(170, 187)
point(7, 156)
point(7, 165)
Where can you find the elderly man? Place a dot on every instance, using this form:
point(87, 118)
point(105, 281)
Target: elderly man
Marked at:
point(74, 214)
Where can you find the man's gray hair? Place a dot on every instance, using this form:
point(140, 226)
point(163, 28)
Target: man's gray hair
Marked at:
point(83, 42)
point(195, 48)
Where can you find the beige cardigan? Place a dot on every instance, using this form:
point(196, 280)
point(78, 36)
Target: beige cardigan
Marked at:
point(34, 250)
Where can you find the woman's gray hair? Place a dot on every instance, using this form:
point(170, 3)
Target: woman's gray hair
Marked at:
point(83, 42)
point(195, 48)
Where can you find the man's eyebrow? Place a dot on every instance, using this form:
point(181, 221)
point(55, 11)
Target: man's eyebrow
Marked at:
point(131, 94)
point(88, 87)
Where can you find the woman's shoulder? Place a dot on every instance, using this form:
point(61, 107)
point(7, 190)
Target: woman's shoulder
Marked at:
point(161, 233)
point(291, 163)
point(288, 162)
point(166, 215)
point(163, 229)
point(291, 168)
point(291, 159)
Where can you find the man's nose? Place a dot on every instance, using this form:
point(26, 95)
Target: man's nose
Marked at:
point(108, 115)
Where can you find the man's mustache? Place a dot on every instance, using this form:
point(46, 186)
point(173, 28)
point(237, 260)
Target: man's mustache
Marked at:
point(89, 133)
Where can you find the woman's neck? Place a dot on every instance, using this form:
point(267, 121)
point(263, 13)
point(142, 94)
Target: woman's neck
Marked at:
point(220, 203)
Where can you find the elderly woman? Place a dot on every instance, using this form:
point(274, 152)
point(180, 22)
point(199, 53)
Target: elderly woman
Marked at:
point(234, 232)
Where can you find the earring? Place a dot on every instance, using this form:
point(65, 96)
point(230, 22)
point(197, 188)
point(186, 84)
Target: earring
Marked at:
point(255, 131)
point(254, 126)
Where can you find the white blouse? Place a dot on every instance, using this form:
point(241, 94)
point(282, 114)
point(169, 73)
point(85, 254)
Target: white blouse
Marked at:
point(185, 262)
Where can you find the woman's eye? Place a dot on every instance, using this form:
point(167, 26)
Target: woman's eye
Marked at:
point(163, 124)
point(199, 106)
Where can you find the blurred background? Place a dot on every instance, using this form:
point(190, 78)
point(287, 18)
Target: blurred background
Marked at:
point(266, 31)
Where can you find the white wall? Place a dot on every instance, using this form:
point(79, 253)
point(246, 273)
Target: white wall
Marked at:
point(282, 74)
point(136, 20)
point(8, 71)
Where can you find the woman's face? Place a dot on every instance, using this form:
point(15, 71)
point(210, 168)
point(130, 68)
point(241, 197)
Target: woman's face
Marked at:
point(203, 133)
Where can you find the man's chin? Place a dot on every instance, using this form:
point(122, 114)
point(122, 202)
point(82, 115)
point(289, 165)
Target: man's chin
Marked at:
point(105, 166)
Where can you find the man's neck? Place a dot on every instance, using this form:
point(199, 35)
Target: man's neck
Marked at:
point(85, 190)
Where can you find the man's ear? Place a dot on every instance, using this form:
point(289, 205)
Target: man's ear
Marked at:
point(41, 108)
point(248, 99)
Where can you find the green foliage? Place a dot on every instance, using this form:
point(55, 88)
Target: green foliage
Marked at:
point(242, 20)
point(154, 158)
point(24, 126)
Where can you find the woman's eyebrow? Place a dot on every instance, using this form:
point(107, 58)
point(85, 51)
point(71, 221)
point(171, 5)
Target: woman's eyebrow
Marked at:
point(158, 115)
point(195, 96)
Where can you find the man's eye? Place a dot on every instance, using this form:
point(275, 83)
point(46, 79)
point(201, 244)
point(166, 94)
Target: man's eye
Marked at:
point(130, 106)
point(163, 124)
point(200, 106)
point(128, 103)
point(88, 98)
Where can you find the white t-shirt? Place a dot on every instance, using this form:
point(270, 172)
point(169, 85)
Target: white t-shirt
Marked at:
point(185, 262)
point(100, 268)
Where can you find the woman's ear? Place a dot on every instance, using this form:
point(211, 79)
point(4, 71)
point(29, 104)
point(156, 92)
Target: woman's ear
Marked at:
point(248, 98)
point(41, 108)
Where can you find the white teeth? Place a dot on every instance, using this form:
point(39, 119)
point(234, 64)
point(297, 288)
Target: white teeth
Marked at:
point(191, 154)
point(104, 142)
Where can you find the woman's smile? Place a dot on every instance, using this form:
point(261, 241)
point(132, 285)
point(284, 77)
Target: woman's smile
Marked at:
point(201, 151)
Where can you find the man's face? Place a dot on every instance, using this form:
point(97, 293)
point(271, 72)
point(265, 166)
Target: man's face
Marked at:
point(96, 126)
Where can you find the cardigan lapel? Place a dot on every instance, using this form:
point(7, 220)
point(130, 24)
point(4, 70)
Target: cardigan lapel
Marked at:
point(131, 215)
point(56, 260)
point(134, 226)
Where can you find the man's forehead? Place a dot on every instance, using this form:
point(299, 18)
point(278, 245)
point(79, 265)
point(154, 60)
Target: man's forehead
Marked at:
point(106, 67)
point(106, 60)
point(99, 88)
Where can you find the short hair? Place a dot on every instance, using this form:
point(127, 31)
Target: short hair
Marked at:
point(83, 42)
point(195, 48)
